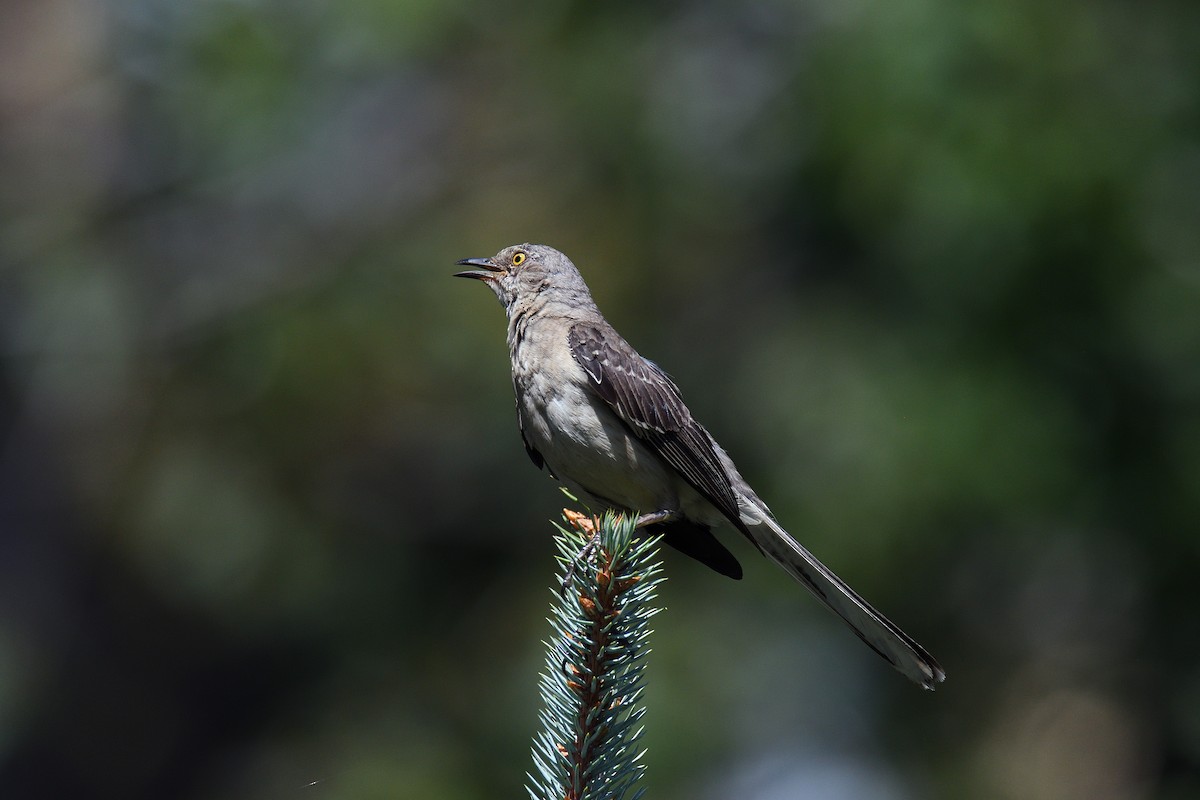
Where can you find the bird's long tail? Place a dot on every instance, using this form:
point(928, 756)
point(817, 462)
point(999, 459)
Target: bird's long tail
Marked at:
point(876, 630)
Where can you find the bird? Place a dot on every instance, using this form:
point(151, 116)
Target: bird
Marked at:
point(613, 428)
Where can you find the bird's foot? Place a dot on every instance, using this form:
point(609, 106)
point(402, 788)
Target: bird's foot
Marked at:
point(590, 526)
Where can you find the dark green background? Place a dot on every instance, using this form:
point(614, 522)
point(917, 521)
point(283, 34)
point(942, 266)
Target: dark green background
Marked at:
point(929, 270)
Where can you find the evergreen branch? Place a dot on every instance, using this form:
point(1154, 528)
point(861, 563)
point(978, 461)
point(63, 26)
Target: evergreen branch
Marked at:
point(592, 684)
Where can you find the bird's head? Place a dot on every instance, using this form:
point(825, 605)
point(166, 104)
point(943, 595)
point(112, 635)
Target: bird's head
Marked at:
point(524, 272)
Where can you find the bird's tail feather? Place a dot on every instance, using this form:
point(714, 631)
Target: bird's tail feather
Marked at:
point(880, 634)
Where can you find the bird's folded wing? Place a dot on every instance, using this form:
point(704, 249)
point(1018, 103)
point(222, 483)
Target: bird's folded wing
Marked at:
point(649, 403)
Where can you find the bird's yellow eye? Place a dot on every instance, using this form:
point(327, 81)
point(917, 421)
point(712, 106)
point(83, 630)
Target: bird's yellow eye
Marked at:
point(518, 258)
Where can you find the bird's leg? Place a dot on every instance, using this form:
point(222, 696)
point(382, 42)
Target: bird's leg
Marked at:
point(646, 520)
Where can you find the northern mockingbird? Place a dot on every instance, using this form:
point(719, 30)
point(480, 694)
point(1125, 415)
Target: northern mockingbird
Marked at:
point(613, 427)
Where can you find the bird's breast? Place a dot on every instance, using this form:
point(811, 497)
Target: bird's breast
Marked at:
point(580, 437)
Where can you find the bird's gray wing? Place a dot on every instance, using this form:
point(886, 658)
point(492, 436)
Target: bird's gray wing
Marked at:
point(649, 403)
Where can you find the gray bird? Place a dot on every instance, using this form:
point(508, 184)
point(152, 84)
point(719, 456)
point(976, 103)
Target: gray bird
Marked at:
point(612, 427)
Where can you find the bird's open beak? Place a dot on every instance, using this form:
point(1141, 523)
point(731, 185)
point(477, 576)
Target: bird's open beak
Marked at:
point(486, 273)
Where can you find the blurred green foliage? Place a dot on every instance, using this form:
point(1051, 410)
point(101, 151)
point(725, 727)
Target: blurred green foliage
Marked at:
point(929, 270)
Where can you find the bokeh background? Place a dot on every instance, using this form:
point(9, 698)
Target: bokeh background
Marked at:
point(929, 269)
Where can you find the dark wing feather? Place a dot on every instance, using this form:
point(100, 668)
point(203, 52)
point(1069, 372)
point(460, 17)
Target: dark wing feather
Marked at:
point(648, 402)
point(532, 452)
point(534, 455)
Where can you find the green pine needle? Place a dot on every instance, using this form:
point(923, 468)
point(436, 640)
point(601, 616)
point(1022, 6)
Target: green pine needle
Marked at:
point(592, 684)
